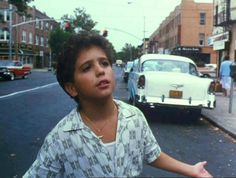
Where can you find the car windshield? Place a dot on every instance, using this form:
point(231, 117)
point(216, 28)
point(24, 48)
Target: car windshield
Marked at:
point(6, 63)
point(164, 65)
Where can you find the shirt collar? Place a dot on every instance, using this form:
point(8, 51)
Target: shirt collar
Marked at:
point(73, 120)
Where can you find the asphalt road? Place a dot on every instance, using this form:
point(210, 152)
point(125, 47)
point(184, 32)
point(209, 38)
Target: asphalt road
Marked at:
point(26, 118)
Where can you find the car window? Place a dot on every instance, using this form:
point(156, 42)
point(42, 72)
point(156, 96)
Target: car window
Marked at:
point(149, 65)
point(164, 65)
point(193, 70)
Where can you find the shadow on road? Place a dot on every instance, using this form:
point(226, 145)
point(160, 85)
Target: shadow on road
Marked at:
point(172, 116)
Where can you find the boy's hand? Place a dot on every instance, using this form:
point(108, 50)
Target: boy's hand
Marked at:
point(200, 171)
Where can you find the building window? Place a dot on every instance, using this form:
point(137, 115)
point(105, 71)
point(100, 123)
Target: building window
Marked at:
point(23, 39)
point(202, 18)
point(4, 35)
point(37, 23)
point(201, 39)
point(36, 40)
point(4, 16)
point(23, 18)
point(41, 25)
point(47, 42)
point(30, 38)
point(41, 41)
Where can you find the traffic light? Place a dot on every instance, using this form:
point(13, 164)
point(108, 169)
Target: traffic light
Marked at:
point(105, 33)
point(67, 26)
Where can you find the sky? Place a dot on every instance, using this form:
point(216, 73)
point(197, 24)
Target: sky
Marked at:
point(127, 21)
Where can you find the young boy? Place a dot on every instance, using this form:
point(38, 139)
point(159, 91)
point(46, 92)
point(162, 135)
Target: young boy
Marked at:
point(102, 137)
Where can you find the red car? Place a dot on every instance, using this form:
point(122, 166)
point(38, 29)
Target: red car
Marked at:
point(9, 69)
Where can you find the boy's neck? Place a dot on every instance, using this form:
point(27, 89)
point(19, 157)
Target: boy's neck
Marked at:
point(98, 110)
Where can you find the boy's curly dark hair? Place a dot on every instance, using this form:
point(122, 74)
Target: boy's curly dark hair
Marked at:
point(71, 50)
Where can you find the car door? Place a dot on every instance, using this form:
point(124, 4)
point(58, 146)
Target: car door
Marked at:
point(133, 78)
point(18, 69)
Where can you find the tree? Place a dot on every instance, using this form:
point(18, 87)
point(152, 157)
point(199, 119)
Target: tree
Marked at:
point(56, 39)
point(81, 21)
point(128, 53)
point(21, 5)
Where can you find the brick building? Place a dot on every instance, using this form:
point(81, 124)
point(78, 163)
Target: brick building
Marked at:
point(185, 32)
point(29, 40)
point(224, 36)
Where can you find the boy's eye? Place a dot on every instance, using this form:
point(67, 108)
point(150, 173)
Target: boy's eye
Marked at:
point(86, 67)
point(105, 63)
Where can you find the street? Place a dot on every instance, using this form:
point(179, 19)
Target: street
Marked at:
point(26, 118)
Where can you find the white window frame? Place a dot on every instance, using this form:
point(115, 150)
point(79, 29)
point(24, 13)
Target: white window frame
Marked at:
point(37, 23)
point(202, 37)
point(23, 39)
point(41, 41)
point(30, 38)
point(36, 40)
point(202, 19)
point(4, 34)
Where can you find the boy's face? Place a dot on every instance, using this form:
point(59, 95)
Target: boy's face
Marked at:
point(93, 76)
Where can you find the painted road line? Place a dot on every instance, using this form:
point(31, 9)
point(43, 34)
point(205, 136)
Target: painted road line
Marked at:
point(32, 89)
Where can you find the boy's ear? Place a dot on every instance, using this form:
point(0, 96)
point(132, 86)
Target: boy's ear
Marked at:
point(70, 88)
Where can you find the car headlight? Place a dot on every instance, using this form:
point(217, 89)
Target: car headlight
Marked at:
point(6, 71)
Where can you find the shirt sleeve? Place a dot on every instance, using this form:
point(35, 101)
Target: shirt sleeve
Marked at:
point(46, 164)
point(152, 149)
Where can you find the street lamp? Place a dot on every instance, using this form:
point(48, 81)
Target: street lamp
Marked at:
point(144, 30)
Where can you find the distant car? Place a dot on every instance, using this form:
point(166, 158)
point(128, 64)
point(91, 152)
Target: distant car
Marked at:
point(126, 70)
point(171, 81)
point(10, 69)
point(119, 63)
point(209, 70)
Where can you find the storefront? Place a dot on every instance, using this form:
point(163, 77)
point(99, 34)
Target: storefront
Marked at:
point(195, 53)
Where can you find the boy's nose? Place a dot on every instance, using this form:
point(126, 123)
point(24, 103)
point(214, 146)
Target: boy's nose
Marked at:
point(99, 69)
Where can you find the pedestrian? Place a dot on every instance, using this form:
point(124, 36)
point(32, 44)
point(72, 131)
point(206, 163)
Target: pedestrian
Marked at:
point(101, 137)
point(225, 78)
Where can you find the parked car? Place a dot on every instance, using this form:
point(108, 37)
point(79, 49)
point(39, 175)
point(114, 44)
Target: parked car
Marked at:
point(10, 69)
point(126, 70)
point(208, 70)
point(171, 81)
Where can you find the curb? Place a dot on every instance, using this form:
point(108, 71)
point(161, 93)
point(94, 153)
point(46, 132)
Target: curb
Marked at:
point(213, 122)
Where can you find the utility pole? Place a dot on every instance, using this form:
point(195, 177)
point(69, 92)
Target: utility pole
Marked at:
point(10, 31)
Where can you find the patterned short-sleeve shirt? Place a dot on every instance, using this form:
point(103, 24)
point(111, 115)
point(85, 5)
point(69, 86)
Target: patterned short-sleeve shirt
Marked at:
point(72, 150)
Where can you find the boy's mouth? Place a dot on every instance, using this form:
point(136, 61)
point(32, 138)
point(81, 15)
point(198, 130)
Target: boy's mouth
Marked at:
point(103, 83)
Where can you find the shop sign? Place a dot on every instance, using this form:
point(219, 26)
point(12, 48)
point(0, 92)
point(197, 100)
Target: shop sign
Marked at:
point(218, 45)
point(188, 49)
point(219, 37)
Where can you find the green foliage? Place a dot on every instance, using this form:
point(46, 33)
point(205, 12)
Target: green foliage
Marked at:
point(83, 20)
point(21, 5)
point(56, 40)
point(128, 53)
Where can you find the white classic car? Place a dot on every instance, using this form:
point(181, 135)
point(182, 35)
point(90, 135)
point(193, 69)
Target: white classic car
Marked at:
point(168, 80)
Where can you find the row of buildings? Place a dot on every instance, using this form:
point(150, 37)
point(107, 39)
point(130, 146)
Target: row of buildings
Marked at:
point(202, 31)
point(29, 35)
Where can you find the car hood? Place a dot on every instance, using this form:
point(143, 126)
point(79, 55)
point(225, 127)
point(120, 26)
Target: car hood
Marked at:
point(160, 83)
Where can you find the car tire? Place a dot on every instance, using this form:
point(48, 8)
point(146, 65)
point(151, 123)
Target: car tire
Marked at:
point(206, 76)
point(25, 76)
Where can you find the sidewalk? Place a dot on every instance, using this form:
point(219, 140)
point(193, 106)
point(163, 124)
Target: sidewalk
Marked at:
point(220, 116)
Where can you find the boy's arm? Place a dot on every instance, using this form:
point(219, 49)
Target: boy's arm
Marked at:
point(170, 164)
